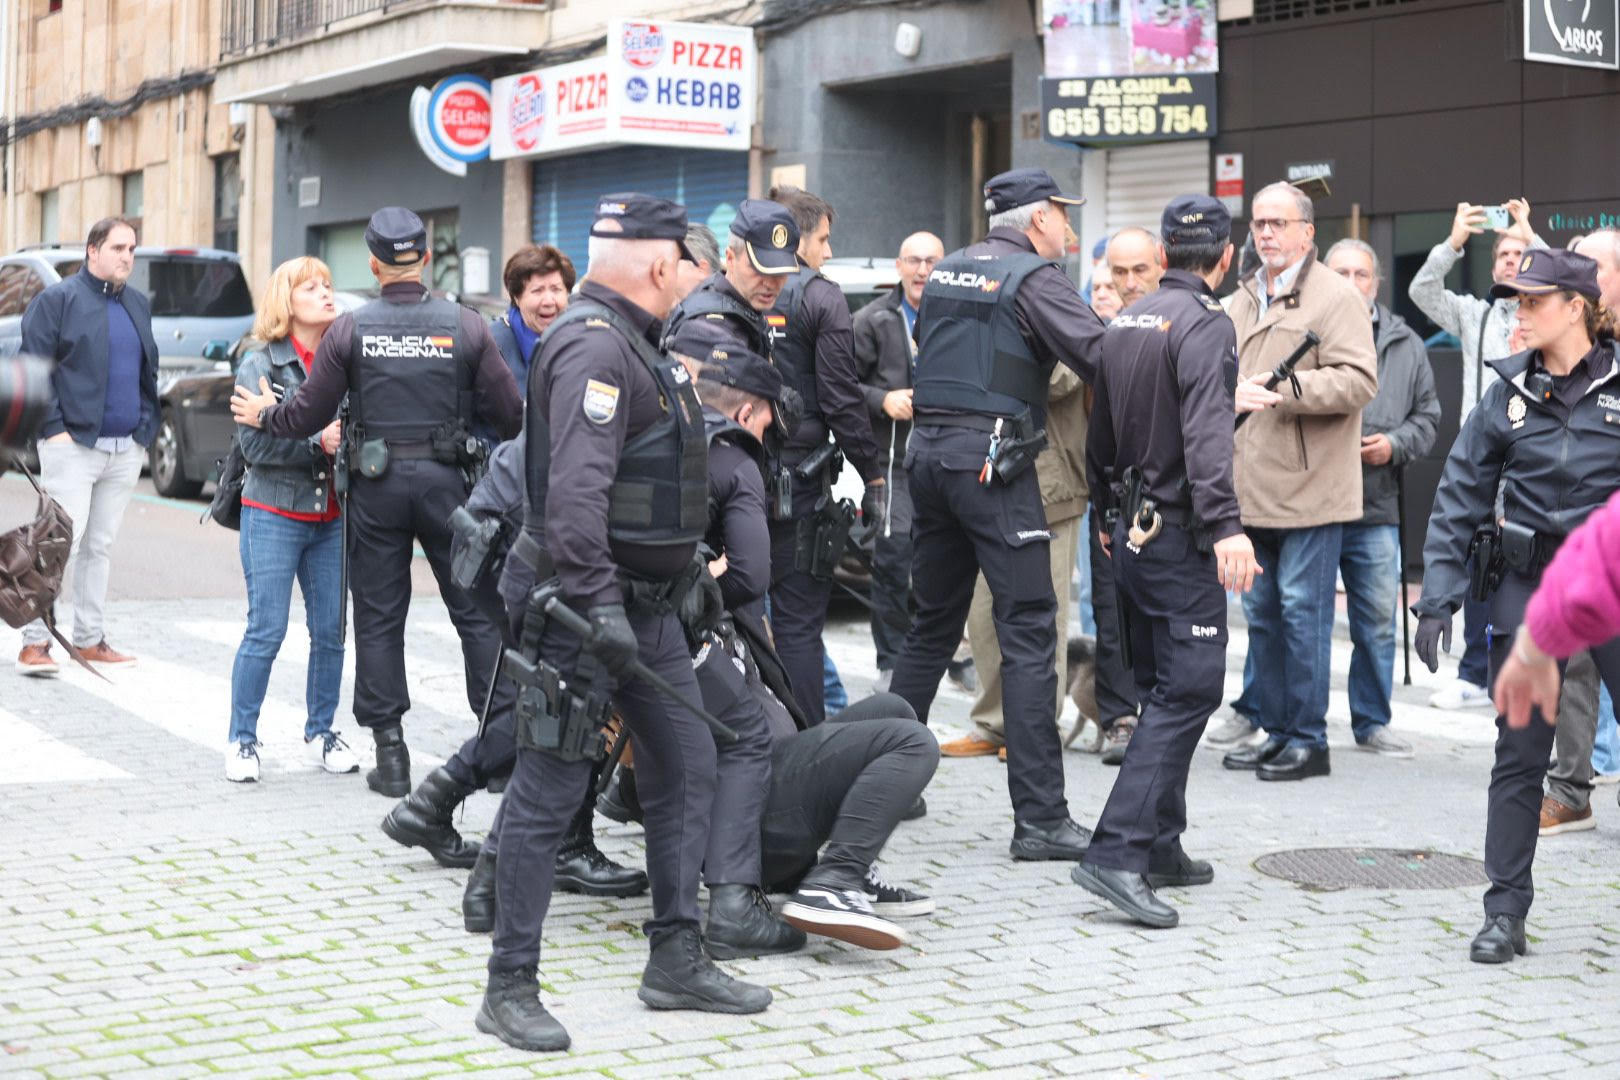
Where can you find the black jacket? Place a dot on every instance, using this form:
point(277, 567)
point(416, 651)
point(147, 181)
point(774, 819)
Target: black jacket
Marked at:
point(883, 363)
point(1405, 409)
point(1554, 467)
point(738, 528)
point(67, 323)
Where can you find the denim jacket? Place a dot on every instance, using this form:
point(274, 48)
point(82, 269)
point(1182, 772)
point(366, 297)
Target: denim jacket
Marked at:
point(288, 474)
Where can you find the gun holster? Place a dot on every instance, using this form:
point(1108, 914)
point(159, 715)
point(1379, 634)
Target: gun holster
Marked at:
point(562, 715)
point(1018, 452)
point(475, 547)
point(778, 490)
point(661, 596)
point(820, 537)
point(1486, 564)
point(372, 458)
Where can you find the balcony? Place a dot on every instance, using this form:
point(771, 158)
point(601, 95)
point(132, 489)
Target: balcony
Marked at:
point(275, 51)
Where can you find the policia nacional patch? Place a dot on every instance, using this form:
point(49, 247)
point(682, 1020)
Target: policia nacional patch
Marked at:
point(601, 401)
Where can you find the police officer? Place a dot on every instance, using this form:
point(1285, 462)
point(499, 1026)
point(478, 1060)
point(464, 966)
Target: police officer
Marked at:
point(1544, 436)
point(1162, 426)
point(759, 256)
point(813, 345)
point(996, 317)
point(615, 432)
point(419, 373)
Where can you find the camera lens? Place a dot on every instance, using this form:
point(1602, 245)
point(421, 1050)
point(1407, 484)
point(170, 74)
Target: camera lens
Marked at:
point(25, 397)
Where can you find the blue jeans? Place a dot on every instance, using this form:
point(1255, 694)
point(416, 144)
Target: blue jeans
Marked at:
point(832, 687)
point(1367, 562)
point(1082, 562)
point(1290, 616)
point(1606, 749)
point(275, 551)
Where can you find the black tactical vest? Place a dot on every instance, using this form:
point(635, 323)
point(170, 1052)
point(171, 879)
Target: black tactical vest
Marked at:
point(409, 372)
point(717, 425)
point(971, 356)
point(659, 495)
point(712, 300)
point(793, 344)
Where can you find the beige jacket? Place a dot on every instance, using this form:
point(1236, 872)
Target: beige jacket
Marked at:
point(1298, 465)
point(1061, 467)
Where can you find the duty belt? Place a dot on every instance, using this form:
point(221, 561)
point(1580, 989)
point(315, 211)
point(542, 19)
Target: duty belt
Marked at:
point(640, 593)
point(411, 450)
point(971, 421)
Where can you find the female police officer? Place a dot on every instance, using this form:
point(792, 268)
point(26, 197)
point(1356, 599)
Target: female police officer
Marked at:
point(1547, 435)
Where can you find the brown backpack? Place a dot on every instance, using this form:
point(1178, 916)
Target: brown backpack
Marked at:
point(33, 558)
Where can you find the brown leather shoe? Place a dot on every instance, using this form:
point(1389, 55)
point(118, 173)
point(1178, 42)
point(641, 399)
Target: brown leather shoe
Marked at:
point(35, 660)
point(973, 745)
point(1557, 818)
point(102, 653)
point(1002, 754)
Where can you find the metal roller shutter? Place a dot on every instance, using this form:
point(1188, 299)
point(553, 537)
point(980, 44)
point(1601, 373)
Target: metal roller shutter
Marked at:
point(1143, 179)
point(709, 182)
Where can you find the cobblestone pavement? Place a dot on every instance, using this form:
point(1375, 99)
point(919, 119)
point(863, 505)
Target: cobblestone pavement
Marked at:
point(157, 921)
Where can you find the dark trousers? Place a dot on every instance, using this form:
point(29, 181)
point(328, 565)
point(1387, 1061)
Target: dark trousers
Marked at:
point(1513, 817)
point(1473, 667)
point(961, 528)
point(1116, 684)
point(891, 575)
point(675, 774)
point(799, 607)
point(844, 784)
point(409, 504)
point(742, 774)
point(1178, 643)
point(491, 752)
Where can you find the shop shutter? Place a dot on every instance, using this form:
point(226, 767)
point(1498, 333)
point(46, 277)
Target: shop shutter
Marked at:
point(709, 182)
point(1143, 179)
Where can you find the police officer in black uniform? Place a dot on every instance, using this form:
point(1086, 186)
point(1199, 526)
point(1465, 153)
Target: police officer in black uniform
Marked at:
point(813, 345)
point(1161, 426)
point(615, 433)
point(1545, 436)
point(419, 372)
point(995, 319)
point(759, 256)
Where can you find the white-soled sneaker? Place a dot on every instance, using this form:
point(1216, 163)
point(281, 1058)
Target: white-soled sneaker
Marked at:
point(242, 762)
point(1461, 695)
point(328, 751)
point(844, 914)
point(892, 900)
point(1234, 731)
point(1382, 742)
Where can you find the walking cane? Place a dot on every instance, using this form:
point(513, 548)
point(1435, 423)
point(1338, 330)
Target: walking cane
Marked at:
point(888, 511)
point(1406, 598)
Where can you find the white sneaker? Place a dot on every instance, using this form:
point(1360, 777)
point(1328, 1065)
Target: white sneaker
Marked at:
point(1461, 695)
point(242, 762)
point(1234, 731)
point(331, 753)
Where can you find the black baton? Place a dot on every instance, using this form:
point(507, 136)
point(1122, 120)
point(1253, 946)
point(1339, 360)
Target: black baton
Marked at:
point(1285, 370)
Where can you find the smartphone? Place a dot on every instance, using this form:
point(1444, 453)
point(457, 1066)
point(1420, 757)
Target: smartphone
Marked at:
point(1497, 217)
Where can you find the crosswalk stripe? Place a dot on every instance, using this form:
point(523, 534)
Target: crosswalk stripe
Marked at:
point(29, 755)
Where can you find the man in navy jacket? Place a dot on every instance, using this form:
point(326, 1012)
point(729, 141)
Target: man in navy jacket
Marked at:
point(98, 332)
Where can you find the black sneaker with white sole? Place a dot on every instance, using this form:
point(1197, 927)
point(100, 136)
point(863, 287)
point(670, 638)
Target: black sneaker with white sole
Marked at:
point(845, 914)
point(892, 900)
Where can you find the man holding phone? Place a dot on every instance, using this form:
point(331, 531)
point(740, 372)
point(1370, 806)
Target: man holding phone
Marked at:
point(1483, 327)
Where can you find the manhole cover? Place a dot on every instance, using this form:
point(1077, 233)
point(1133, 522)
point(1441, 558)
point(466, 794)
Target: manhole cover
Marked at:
point(1372, 868)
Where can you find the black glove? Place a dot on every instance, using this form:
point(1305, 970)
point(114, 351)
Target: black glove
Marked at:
point(1432, 630)
point(702, 607)
point(872, 504)
point(612, 640)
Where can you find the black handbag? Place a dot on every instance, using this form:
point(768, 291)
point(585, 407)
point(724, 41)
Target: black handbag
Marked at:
point(227, 505)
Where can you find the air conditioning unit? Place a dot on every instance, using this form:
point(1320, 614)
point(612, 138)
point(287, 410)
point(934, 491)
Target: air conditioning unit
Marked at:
point(309, 192)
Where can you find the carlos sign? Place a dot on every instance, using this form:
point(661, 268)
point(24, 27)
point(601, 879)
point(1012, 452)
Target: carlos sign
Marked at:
point(659, 83)
point(1580, 33)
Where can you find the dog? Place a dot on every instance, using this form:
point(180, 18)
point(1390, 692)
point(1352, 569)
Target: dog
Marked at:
point(1082, 656)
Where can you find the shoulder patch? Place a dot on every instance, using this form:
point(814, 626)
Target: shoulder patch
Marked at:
point(1213, 305)
point(601, 401)
point(600, 324)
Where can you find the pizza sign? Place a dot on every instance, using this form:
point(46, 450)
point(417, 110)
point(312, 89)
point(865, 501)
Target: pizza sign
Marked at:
point(453, 122)
point(526, 113)
point(642, 44)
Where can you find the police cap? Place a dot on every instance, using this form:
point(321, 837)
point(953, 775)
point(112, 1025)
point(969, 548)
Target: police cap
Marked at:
point(630, 215)
point(770, 235)
point(1545, 271)
point(396, 236)
point(700, 336)
point(741, 369)
point(1195, 219)
point(1020, 187)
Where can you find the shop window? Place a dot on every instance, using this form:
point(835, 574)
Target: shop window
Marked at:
point(50, 216)
point(227, 200)
point(134, 187)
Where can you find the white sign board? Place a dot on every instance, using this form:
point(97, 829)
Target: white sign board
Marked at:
point(659, 84)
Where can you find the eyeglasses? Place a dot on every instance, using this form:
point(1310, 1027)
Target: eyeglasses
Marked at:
point(911, 262)
point(1276, 225)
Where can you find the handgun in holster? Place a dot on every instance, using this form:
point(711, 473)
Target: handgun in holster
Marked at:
point(475, 547)
point(820, 540)
point(1017, 449)
point(1203, 540)
point(1486, 564)
point(564, 716)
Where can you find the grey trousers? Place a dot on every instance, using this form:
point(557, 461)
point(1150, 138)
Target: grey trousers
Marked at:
point(1570, 779)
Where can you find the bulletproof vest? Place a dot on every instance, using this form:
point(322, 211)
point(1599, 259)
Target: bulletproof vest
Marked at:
point(793, 343)
point(659, 495)
point(717, 425)
point(710, 300)
point(972, 357)
point(409, 372)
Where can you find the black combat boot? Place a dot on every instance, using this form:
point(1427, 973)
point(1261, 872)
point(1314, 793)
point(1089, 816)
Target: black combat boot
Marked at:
point(620, 802)
point(741, 923)
point(392, 776)
point(478, 899)
point(679, 975)
point(582, 868)
point(513, 1014)
point(425, 819)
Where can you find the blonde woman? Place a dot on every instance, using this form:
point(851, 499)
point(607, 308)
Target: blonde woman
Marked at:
point(290, 528)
